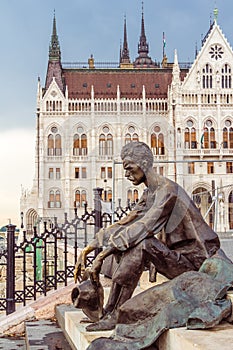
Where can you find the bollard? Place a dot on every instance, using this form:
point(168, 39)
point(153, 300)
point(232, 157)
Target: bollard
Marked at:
point(10, 278)
point(98, 212)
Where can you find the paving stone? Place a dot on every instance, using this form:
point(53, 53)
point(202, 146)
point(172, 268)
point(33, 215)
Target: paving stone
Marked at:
point(45, 335)
point(11, 343)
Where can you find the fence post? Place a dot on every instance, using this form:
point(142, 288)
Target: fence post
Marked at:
point(10, 278)
point(98, 212)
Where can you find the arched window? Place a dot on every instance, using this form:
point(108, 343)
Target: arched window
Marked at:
point(105, 142)
point(131, 135)
point(157, 141)
point(57, 145)
point(54, 199)
point(208, 137)
point(80, 143)
point(109, 195)
point(190, 136)
point(203, 200)
point(207, 78)
point(80, 198)
point(50, 145)
point(226, 77)
point(227, 134)
point(57, 199)
point(54, 142)
point(51, 202)
point(132, 196)
point(127, 138)
point(230, 210)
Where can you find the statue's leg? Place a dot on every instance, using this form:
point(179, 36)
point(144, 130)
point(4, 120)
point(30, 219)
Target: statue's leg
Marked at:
point(113, 297)
point(124, 282)
point(167, 262)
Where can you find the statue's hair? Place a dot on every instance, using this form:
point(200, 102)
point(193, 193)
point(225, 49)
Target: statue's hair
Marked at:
point(140, 153)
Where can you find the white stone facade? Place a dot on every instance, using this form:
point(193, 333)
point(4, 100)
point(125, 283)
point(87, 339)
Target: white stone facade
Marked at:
point(195, 149)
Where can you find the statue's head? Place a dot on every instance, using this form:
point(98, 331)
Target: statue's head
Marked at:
point(139, 153)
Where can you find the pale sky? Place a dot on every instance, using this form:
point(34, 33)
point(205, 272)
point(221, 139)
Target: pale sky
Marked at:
point(84, 28)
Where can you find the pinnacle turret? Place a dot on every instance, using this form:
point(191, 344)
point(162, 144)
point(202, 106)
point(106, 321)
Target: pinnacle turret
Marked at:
point(143, 46)
point(54, 47)
point(143, 60)
point(54, 65)
point(125, 51)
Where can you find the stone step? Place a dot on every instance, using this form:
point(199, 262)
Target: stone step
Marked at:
point(45, 335)
point(12, 343)
point(218, 337)
point(60, 312)
point(69, 320)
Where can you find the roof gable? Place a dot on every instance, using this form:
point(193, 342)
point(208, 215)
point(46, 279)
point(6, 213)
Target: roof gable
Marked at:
point(54, 92)
point(216, 52)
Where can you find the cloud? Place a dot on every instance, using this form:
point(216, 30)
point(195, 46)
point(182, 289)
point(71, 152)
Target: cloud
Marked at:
point(17, 168)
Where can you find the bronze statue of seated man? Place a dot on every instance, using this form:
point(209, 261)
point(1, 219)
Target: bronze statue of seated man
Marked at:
point(165, 228)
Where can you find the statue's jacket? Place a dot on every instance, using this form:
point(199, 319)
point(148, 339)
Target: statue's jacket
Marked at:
point(167, 212)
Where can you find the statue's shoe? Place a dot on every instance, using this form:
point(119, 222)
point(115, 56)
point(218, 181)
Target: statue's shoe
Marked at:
point(107, 323)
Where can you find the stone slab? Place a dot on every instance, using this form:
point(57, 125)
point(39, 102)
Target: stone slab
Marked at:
point(220, 337)
point(144, 282)
point(76, 330)
point(174, 339)
point(12, 344)
point(60, 312)
point(45, 335)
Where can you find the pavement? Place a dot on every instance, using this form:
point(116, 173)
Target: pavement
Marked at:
point(11, 343)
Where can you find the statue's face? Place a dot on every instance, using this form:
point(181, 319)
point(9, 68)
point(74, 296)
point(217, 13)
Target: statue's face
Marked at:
point(133, 172)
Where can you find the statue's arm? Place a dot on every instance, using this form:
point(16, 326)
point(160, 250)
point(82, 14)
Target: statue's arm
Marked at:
point(150, 224)
point(80, 265)
point(97, 263)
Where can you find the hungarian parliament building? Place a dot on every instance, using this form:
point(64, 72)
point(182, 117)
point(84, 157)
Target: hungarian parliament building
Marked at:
point(86, 113)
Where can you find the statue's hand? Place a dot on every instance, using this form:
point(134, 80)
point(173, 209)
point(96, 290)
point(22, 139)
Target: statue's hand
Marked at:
point(80, 266)
point(95, 269)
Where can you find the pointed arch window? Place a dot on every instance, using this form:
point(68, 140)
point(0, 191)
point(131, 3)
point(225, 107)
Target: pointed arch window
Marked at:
point(54, 143)
point(50, 145)
point(57, 145)
point(157, 141)
point(132, 196)
point(107, 195)
point(203, 200)
point(207, 77)
point(80, 198)
point(209, 140)
point(131, 135)
point(190, 135)
point(105, 142)
point(80, 143)
point(227, 134)
point(226, 77)
point(54, 199)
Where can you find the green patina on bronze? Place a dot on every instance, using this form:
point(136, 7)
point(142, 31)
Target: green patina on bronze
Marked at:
point(196, 299)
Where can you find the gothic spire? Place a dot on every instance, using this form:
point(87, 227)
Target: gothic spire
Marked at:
point(143, 47)
point(54, 69)
point(125, 51)
point(143, 60)
point(54, 47)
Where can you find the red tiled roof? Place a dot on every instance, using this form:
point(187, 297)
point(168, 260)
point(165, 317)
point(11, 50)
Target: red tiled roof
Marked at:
point(156, 81)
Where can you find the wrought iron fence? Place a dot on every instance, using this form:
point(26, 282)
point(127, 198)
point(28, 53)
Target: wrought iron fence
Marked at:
point(45, 258)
